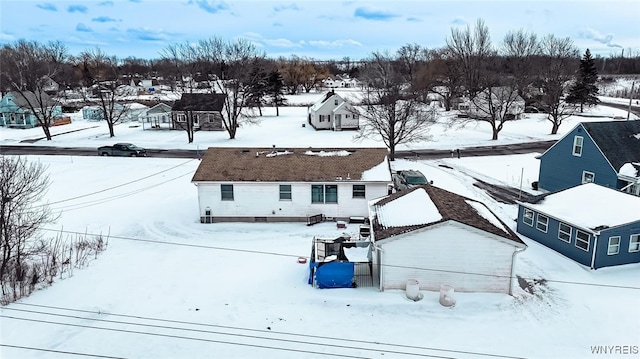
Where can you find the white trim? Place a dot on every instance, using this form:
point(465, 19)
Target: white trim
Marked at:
point(615, 247)
point(560, 224)
point(546, 223)
point(575, 145)
point(580, 240)
point(588, 173)
point(637, 243)
point(524, 216)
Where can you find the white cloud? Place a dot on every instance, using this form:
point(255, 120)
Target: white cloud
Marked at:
point(595, 35)
point(335, 43)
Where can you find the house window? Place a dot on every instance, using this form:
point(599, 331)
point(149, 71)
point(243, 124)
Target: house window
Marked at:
point(324, 193)
point(588, 177)
point(614, 245)
point(346, 115)
point(634, 243)
point(359, 191)
point(564, 232)
point(577, 145)
point(527, 217)
point(285, 192)
point(582, 240)
point(355, 116)
point(181, 117)
point(335, 102)
point(322, 118)
point(210, 118)
point(226, 191)
point(542, 223)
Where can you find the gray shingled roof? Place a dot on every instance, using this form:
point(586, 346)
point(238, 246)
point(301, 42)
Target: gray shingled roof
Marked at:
point(200, 102)
point(263, 164)
point(20, 100)
point(619, 141)
point(452, 207)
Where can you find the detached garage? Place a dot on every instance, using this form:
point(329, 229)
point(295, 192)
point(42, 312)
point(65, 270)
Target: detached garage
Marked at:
point(437, 237)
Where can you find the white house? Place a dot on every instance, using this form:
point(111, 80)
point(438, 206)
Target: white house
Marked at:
point(439, 238)
point(500, 101)
point(259, 185)
point(158, 116)
point(332, 112)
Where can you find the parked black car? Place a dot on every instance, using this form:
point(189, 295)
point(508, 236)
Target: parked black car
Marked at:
point(122, 149)
point(407, 179)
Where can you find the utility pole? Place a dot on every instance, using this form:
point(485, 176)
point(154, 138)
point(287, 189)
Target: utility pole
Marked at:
point(630, 99)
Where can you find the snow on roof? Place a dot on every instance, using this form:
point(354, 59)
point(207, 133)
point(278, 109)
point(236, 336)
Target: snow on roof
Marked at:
point(486, 213)
point(378, 173)
point(590, 206)
point(414, 208)
point(328, 153)
point(637, 136)
point(628, 169)
point(357, 254)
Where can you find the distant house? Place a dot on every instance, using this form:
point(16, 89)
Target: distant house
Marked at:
point(125, 113)
point(259, 185)
point(332, 112)
point(591, 224)
point(606, 153)
point(16, 112)
point(204, 109)
point(439, 238)
point(158, 116)
point(503, 101)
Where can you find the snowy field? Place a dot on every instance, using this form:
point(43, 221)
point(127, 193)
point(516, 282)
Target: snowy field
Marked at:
point(170, 287)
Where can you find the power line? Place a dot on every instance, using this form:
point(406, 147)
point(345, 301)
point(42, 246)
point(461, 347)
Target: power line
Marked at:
point(193, 338)
point(73, 207)
point(381, 265)
point(118, 186)
point(307, 336)
point(59, 351)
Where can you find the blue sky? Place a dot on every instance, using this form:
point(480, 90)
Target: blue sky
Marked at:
point(320, 29)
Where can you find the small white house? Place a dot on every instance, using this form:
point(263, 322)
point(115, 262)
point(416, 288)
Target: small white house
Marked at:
point(260, 185)
point(332, 112)
point(499, 102)
point(437, 237)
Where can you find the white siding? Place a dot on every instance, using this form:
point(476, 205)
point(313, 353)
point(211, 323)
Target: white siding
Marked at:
point(325, 109)
point(451, 249)
point(263, 200)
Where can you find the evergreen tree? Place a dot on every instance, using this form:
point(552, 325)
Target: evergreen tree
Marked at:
point(585, 91)
point(276, 90)
point(258, 88)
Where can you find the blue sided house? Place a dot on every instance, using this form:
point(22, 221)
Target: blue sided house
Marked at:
point(606, 153)
point(19, 110)
point(594, 225)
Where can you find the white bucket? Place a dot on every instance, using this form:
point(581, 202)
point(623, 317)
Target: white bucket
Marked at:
point(413, 290)
point(446, 295)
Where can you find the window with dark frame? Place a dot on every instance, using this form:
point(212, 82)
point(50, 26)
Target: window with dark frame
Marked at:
point(285, 192)
point(226, 192)
point(324, 193)
point(359, 191)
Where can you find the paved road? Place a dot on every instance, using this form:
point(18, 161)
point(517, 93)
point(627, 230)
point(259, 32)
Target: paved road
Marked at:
point(635, 108)
point(90, 151)
point(495, 150)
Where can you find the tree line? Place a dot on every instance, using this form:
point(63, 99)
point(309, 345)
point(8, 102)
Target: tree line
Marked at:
point(540, 70)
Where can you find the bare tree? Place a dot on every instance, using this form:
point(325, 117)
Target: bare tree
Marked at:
point(101, 73)
point(26, 67)
point(388, 110)
point(22, 188)
point(520, 50)
point(441, 75)
point(471, 50)
point(237, 58)
point(556, 72)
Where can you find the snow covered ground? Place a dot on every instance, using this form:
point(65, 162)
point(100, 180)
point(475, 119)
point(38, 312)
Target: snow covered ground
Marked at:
point(170, 287)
